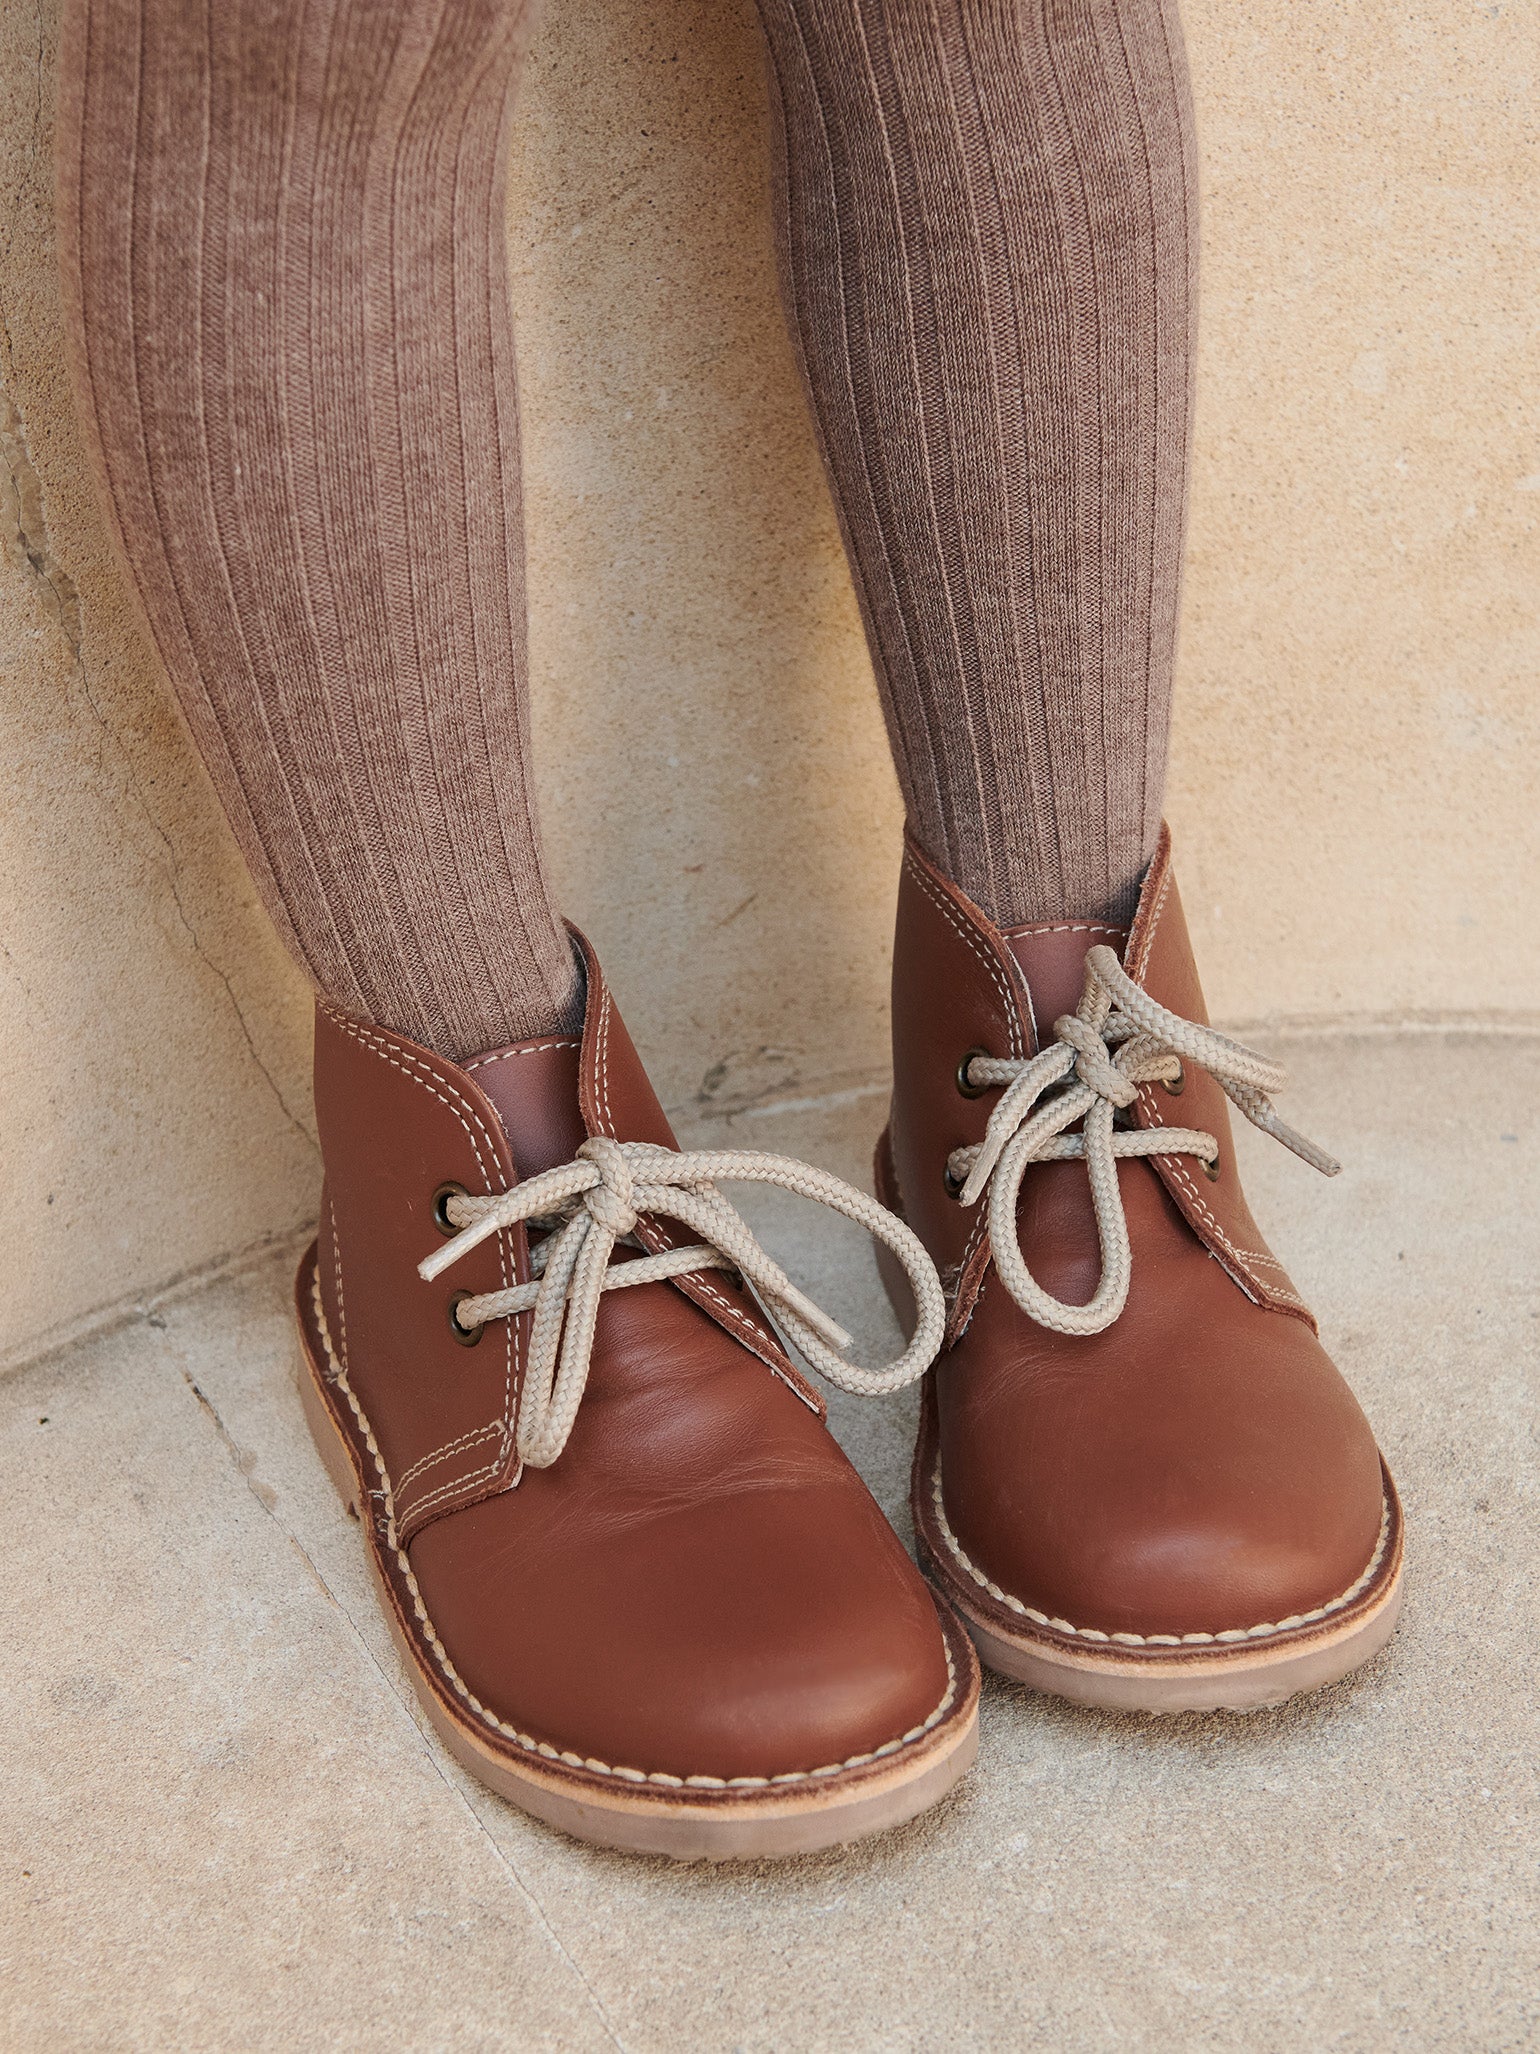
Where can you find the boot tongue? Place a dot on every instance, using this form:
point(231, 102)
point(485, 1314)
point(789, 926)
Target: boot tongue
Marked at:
point(555, 1090)
point(533, 1086)
point(1051, 956)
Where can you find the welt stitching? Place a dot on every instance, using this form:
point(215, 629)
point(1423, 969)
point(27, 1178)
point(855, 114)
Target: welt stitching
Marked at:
point(460, 1106)
point(948, 914)
point(542, 1747)
point(1230, 1636)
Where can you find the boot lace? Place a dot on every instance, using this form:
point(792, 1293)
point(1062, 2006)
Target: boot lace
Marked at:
point(1117, 1039)
point(586, 1206)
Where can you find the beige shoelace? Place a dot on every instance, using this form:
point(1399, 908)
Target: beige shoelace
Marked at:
point(1116, 1039)
point(591, 1203)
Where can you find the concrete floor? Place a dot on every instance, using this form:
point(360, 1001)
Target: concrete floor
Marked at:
point(224, 1824)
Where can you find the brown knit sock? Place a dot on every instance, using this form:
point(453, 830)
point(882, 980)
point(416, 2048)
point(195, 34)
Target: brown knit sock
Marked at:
point(988, 231)
point(282, 235)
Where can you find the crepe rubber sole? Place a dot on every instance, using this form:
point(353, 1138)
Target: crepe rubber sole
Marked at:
point(1247, 1673)
point(716, 1825)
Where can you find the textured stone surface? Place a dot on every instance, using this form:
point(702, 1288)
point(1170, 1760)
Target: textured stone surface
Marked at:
point(225, 1827)
point(1353, 779)
point(153, 1039)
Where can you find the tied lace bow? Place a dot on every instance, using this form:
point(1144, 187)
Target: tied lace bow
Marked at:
point(1117, 1039)
point(591, 1203)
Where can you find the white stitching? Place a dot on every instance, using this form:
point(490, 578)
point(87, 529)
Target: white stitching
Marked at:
point(1156, 1125)
point(1180, 1171)
point(748, 1326)
point(462, 1441)
point(342, 1311)
point(974, 1240)
point(543, 1748)
point(1060, 927)
point(948, 913)
point(530, 1048)
point(756, 1339)
point(460, 1106)
point(1147, 947)
point(413, 1508)
point(1009, 1005)
point(604, 1059)
point(1229, 1636)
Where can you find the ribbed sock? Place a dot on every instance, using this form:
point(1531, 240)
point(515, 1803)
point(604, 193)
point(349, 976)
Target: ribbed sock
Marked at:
point(283, 245)
point(988, 236)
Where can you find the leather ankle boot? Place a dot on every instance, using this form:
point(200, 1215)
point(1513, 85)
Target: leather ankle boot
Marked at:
point(638, 1587)
point(1139, 1479)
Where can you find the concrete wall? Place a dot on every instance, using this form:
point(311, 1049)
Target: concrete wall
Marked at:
point(1354, 784)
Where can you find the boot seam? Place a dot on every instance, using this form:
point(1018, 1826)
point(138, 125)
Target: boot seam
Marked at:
point(418, 1073)
point(743, 1329)
point(1244, 1256)
point(1009, 999)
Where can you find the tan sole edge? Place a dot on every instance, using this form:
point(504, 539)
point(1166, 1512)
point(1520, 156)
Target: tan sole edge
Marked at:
point(1238, 1680)
point(836, 1812)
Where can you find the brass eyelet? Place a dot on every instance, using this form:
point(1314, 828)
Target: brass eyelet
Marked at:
point(1178, 1084)
point(441, 1198)
point(466, 1336)
point(1212, 1170)
point(964, 1084)
point(953, 1184)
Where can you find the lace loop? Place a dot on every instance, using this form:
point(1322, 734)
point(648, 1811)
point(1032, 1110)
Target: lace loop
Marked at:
point(589, 1204)
point(1117, 1039)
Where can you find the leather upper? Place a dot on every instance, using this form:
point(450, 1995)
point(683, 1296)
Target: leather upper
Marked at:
point(1198, 1467)
point(700, 1585)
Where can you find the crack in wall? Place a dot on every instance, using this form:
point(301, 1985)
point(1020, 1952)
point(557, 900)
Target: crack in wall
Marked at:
point(24, 532)
point(25, 537)
point(25, 529)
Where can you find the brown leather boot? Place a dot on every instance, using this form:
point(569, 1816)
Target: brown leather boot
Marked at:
point(1140, 1478)
point(638, 1587)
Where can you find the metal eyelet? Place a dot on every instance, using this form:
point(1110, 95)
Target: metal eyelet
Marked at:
point(964, 1083)
point(953, 1184)
point(466, 1336)
point(1178, 1084)
point(1211, 1170)
point(441, 1198)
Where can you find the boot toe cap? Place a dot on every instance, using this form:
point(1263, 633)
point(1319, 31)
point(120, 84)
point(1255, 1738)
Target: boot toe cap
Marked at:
point(726, 1640)
point(1250, 1499)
